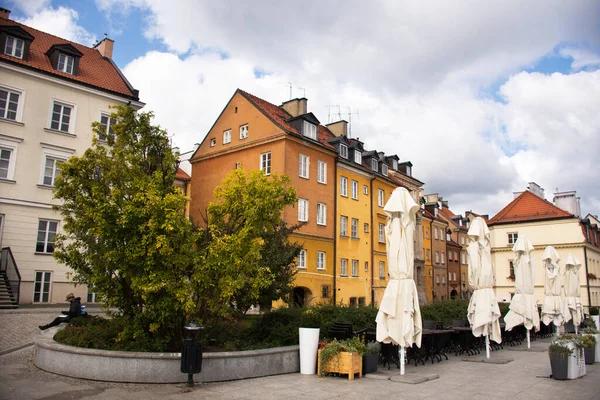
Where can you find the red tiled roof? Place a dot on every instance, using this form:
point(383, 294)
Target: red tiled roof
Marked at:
point(94, 69)
point(528, 207)
point(429, 215)
point(182, 175)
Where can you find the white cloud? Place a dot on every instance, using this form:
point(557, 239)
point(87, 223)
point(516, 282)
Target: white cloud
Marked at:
point(30, 7)
point(61, 22)
point(581, 57)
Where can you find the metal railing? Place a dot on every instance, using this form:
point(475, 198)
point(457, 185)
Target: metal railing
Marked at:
point(9, 267)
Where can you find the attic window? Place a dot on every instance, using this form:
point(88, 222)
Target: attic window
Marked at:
point(65, 58)
point(357, 157)
point(14, 47)
point(310, 130)
point(343, 150)
point(408, 170)
point(65, 63)
point(395, 165)
point(384, 170)
point(374, 164)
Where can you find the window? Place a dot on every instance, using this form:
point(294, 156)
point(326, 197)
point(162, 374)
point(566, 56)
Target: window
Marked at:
point(14, 47)
point(442, 235)
point(366, 228)
point(443, 279)
point(354, 228)
point(227, 136)
point(512, 237)
point(61, 117)
point(435, 234)
point(427, 233)
point(437, 279)
point(302, 210)
point(343, 226)
point(9, 104)
point(51, 170)
point(45, 237)
point(343, 267)
point(321, 214)
point(429, 271)
point(381, 233)
point(361, 301)
point(238, 165)
point(395, 165)
point(322, 172)
point(344, 186)
point(355, 190)
point(325, 291)
point(302, 259)
point(374, 164)
point(365, 189)
point(65, 63)
point(380, 197)
point(352, 301)
point(437, 257)
point(320, 260)
point(265, 163)
point(357, 157)
point(454, 273)
point(384, 169)
point(107, 123)
point(91, 297)
point(462, 240)
point(455, 256)
point(303, 166)
point(6, 167)
point(244, 131)
point(366, 266)
point(511, 268)
point(41, 287)
point(343, 151)
point(443, 257)
point(310, 130)
point(408, 170)
point(462, 257)
point(354, 267)
point(381, 269)
point(463, 277)
point(428, 254)
point(213, 142)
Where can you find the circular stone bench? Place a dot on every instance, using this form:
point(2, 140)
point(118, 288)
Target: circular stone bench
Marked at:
point(138, 367)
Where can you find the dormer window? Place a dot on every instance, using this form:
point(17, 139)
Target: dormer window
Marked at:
point(384, 170)
point(374, 164)
point(408, 170)
point(343, 151)
point(65, 63)
point(14, 47)
point(310, 130)
point(357, 157)
point(395, 165)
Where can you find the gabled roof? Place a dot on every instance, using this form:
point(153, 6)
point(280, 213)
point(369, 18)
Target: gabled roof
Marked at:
point(94, 70)
point(182, 175)
point(528, 207)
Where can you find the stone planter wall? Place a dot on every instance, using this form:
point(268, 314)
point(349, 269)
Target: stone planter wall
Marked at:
point(121, 366)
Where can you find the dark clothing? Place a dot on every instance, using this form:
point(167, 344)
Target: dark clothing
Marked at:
point(74, 311)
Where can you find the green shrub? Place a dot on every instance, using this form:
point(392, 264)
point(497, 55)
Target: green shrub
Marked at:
point(559, 350)
point(594, 311)
point(445, 311)
point(589, 341)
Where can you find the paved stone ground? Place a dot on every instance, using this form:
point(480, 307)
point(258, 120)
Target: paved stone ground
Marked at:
point(524, 378)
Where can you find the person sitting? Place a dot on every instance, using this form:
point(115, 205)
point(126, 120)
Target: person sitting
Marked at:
point(74, 311)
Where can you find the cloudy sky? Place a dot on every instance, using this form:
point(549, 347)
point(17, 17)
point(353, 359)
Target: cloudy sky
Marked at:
point(482, 97)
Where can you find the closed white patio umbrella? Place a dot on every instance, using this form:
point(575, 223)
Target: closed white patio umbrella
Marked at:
point(553, 307)
point(399, 316)
point(523, 308)
point(483, 312)
point(573, 307)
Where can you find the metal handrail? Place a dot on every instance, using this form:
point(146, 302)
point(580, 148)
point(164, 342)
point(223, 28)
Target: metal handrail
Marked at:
point(9, 266)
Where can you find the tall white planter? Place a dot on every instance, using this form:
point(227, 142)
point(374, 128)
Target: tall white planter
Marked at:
point(596, 319)
point(576, 363)
point(309, 346)
point(597, 355)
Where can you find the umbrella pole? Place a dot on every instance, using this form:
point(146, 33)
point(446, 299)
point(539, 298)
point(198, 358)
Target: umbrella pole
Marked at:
point(575, 329)
point(528, 340)
point(402, 357)
point(487, 346)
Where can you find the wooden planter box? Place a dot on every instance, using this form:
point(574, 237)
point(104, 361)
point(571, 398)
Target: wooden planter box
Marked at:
point(345, 363)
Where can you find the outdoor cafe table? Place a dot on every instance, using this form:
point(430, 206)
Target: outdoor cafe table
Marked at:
point(433, 343)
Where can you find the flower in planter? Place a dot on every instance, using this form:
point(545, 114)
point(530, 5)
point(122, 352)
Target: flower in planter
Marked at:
point(331, 350)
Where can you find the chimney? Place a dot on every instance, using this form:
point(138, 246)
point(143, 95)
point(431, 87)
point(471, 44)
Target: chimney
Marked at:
point(536, 189)
point(105, 47)
point(4, 13)
point(568, 201)
point(338, 128)
point(295, 106)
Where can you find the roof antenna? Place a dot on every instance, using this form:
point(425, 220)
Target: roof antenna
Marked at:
point(329, 113)
point(290, 85)
point(303, 90)
point(350, 120)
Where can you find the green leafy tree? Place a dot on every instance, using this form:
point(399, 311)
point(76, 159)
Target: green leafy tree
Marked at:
point(125, 232)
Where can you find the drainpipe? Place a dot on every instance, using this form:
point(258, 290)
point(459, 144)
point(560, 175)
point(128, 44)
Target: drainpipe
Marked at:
point(372, 246)
point(587, 278)
point(335, 238)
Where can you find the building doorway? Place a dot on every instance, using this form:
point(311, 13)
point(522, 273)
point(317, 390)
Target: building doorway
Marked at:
point(301, 296)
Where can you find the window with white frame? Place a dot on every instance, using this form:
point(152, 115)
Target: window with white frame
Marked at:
point(343, 267)
point(51, 169)
point(41, 286)
point(65, 63)
point(462, 257)
point(227, 136)
point(354, 228)
point(302, 210)
point(303, 166)
point(61, 117)
point(107, 125)
point(322, 172)
point(310, 130)
point(442, 235)
point(320, 260)
point(213, 142)
point(395, 165)
point(265, 163)
point(384, 169)
point(380, 197)
point(321, 214)
point(443, 257)
point(443, 279)
point(365, 189)
point(381, 233)
point(428, 254)
point(512, 237)
point(302, 259)
point(374, 164)
point(238, 165)
point(354, 267)
point(427, 233)
point(408, 170)
point(343, 225)
point(244, 131)
point(437, 279)
point(14, 47)
point(357, 157)
point(45, 237)
point(435, 233)
point(343, 151)
point(8, 157)
point(455, 256)
point(10, 104)
point(355, 190)
point(344, 186)
point(366, 266)
point(381, 269)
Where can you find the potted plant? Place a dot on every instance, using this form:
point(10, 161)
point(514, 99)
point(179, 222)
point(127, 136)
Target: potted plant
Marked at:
point(576, 363)
point(371, 357)
point(342, 357)
point(559, 364)
point(589, 348)
point(595, 317)
point(308, 338)
point(591, 330)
